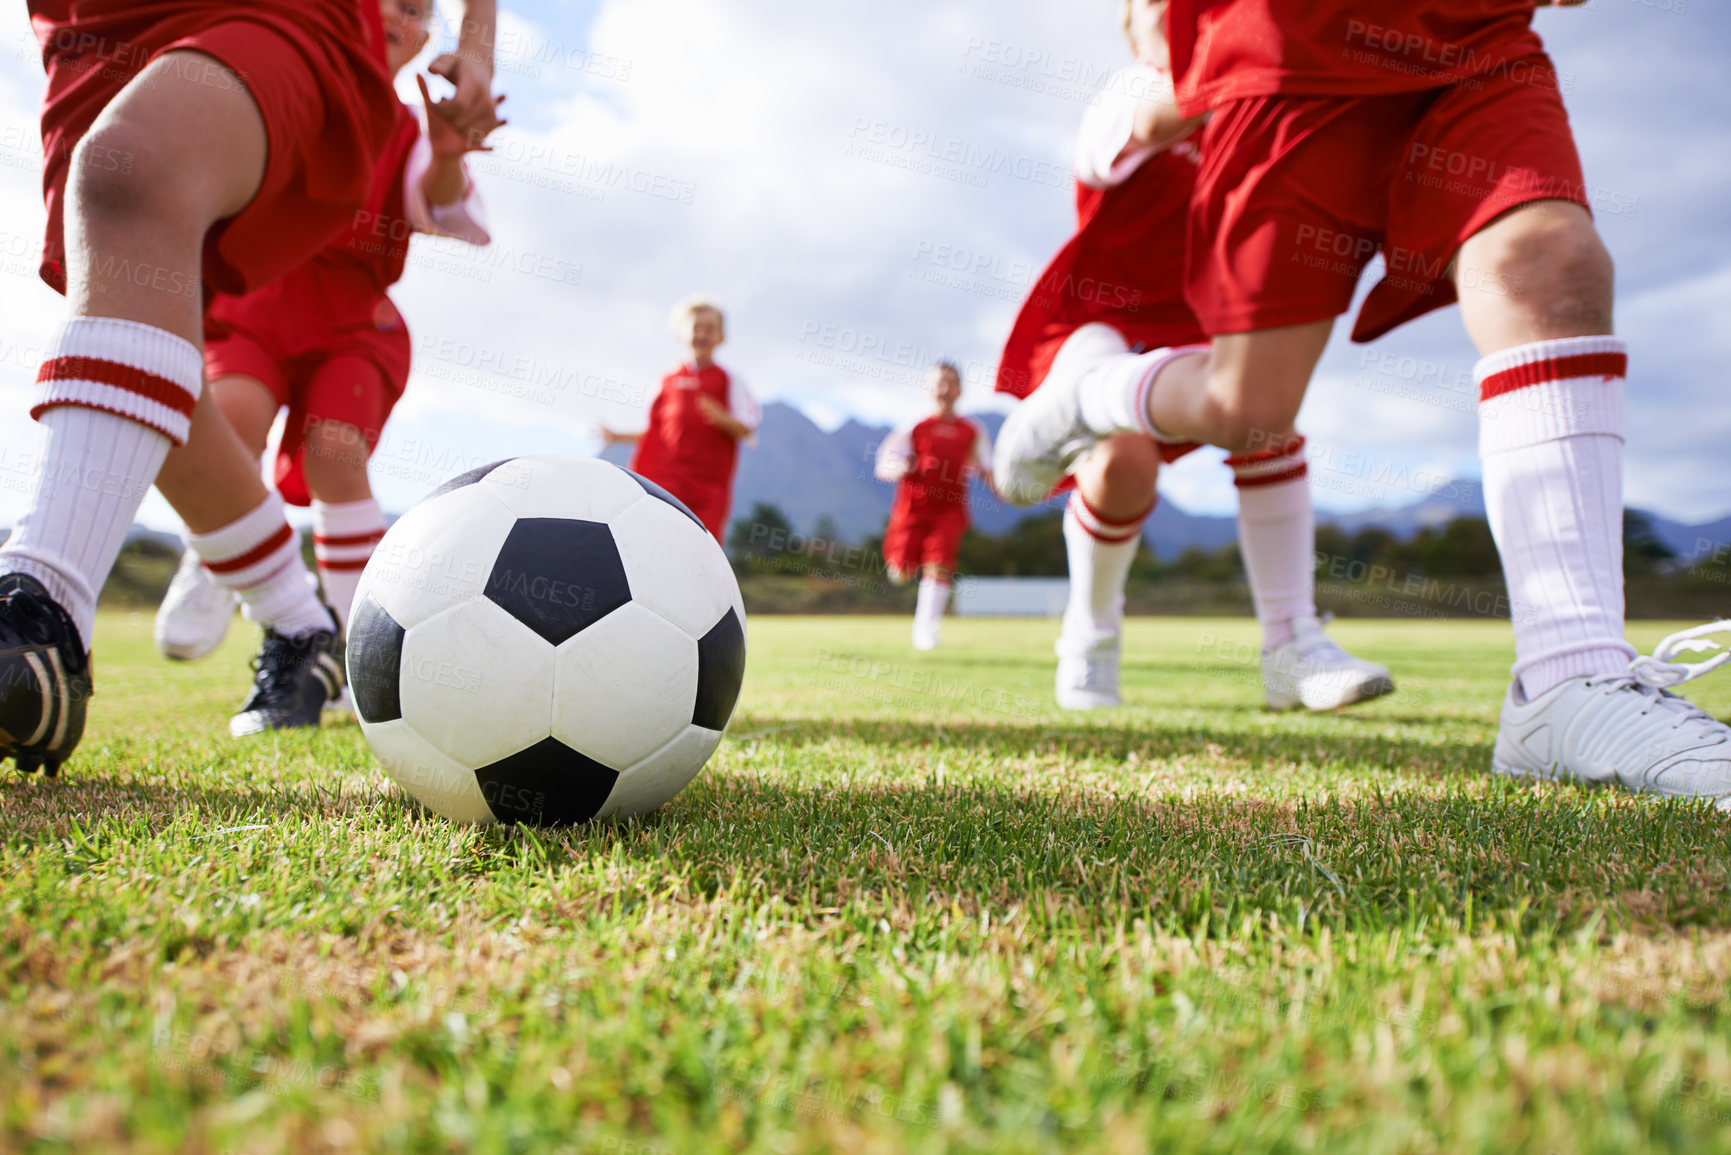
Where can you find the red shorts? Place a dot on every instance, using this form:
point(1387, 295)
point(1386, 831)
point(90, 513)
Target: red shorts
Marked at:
point(1296, 194)
point(311, 69)
point(924, 537)
point(322, 370)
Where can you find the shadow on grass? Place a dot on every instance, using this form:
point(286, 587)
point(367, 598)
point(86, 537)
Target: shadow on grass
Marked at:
point(1308, 740)
point(1537, 856)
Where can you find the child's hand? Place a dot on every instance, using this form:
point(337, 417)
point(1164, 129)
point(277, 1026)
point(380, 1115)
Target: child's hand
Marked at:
point(469, 116)
point(711, 409)
point(447, 142)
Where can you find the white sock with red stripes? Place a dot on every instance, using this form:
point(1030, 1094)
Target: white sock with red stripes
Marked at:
point(1113, 396)
point(1551, 436)
point(116, 396)
point(345, 534)
point(259, 557)
point(1277, 536)
point(1099, 551)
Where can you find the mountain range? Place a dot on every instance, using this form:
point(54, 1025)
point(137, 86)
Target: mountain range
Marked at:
point(810, 474)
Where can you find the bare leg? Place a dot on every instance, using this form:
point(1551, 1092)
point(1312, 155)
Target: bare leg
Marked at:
point(1246, 395)
point(229, 429)
point(250, 409)
point(135, 238)
point(336, 462)
point(1117, 477)
point(1536, 273)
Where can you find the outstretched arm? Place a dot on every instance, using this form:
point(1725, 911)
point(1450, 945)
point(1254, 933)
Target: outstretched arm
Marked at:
point(717, 415)
point(471, 111)
point(895, 457)
point(1157, 123)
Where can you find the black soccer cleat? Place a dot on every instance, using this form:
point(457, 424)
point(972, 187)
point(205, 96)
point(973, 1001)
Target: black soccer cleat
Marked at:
point(44, 677)
point(292, 680)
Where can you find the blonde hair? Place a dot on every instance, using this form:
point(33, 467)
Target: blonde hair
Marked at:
point(1124, 15)
point(697, 303)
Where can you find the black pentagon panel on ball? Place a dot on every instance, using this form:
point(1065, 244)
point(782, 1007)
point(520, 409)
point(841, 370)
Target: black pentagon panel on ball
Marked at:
point(375, 658)
point(469, 478)
point(660, 494)
point(558, 575)
point(548, 784)
point(720, 672)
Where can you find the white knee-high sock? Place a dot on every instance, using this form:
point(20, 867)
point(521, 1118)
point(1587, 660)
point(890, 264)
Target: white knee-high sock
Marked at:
point(1099, 552)
point(1113, 395)
point(1277, 536)
point(116, 395)
point(345, 533)
point(934, 596)
point(1551, 436)
point(258, 556)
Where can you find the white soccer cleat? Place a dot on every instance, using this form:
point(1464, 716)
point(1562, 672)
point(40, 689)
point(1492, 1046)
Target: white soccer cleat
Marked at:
point(1626, 729)
point(1310, 670)
point(1088, 674)
point(925, 640)
point(1044, 434)
point(195, 612)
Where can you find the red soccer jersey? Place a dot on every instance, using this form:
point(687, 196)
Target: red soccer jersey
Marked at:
point(372, 251)
point(682, 452)
point(1225, 50)
point(1124, 266)
point(932, 463)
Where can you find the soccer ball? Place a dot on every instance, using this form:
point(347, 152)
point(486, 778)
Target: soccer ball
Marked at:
point(546, 640)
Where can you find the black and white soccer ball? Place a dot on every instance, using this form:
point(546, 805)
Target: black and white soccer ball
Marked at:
point(546, 640)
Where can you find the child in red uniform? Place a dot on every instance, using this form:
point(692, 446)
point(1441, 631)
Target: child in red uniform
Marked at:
point(1432, 132)
point(931, 462)
point(1118, 284)
point(327, 343)
point(696, 422)
point(188, 144)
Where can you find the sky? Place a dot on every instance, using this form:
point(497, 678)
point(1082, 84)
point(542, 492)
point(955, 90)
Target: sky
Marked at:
point(869, 187)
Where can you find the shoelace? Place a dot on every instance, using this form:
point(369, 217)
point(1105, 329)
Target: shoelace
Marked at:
point(278, 662)
point(1652, 675)
point(23, 617)
point(21, 608)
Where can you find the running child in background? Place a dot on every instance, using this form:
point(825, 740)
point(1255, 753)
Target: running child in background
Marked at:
point(931, 462)
point(327, 343)
point(696, 422)
point(188, 145)
point(1117, 288)
point(1339, 126)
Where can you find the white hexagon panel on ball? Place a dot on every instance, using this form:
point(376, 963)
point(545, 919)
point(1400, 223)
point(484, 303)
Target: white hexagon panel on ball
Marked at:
point(675, 567)
point(625, 686)
point(475, 682)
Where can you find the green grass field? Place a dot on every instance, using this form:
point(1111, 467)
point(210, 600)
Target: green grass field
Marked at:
point(909, 907)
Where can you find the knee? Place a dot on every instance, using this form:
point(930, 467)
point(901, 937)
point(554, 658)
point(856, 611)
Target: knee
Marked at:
point(335, 461)
point(118, 179)
point(1246, 423)
point(1127, 464)
point(1549, 258)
